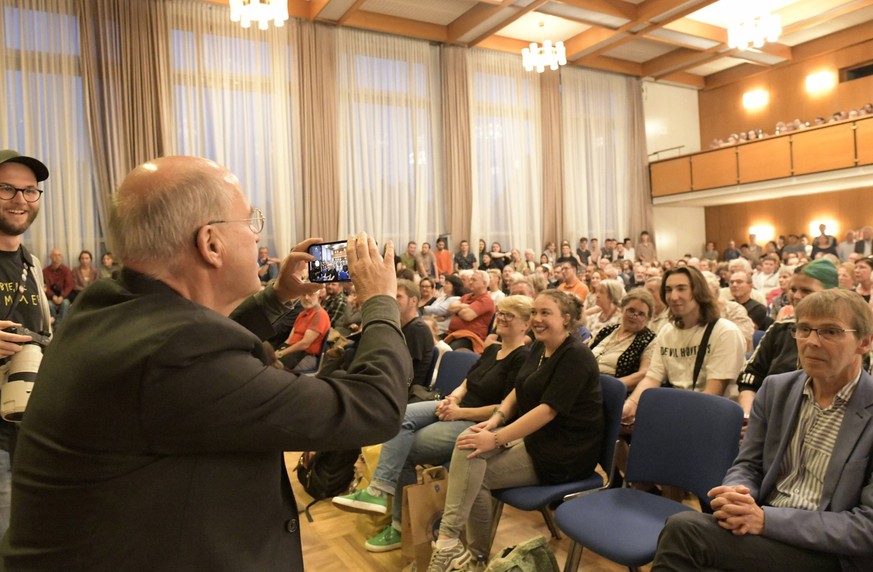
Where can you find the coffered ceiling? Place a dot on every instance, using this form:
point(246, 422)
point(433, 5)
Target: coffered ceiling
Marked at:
point(677, 41)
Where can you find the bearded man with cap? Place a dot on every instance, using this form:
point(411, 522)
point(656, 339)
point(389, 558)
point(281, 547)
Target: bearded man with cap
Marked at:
point(777, 350)
point(20, 272)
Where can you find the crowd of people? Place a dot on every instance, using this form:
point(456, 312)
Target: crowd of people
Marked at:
point(207, 361)
point(783, 127)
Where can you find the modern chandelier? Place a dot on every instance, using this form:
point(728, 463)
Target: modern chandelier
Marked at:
point(754, 32)
point(549, 55)
point(260, 11)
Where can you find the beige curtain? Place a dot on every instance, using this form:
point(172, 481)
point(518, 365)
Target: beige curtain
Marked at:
point(553, 162)
point(125, 82)
point(639, 214)
point(456, 140)
point(319, 130)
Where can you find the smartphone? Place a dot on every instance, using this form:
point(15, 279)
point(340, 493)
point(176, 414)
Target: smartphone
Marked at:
point(331, 263)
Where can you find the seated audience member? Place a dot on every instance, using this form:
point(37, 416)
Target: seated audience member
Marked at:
point(425, 287)
point(108, 267)
point(741, 290)
point(419, 340)
point(516, 261)
point(693, 310)
point(268, 267)
point(429, 428)
point(582, 252)
point(425, 262)
point(864, 277)
point(767, 279)
point(488, 263)
point(495, 285)
point(472, 314)
point(594, 279)
point(799, 496)
point(530, 286)
point(83, 275)
point(450, 293)
point(660, 312)
point(351, 321)
point(509, 275)
point(303, 346)
point(553, 431)
point(443, 258)
point(407, 259)
point(710, 253)
point(464, 259)
point(551, 253)
point(740, 265)
point(777, 350)
point(596, 254)
point(793, 247)
point(846, 275)
point(570, 282)
point(530, 262)
point(779, 297)
point(624, 350)
point(566, 255)
point(730, 310)
point(335, 302)
point(629, 251)
point(58, 280)
point(608, 309)
point(731, 252)
point(498, 257)
point(645, 249)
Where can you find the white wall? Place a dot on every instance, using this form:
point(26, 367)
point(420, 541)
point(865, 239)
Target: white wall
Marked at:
point(679, 230)
point(671, 119)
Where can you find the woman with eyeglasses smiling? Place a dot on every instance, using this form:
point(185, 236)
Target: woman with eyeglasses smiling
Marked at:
point(624, 350)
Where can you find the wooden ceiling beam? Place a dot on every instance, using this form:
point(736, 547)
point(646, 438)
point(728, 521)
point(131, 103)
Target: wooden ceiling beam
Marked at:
point(313, 7)
point(518, 14)
point(684, 78)
point(474, 17)
point(397, 26)
point(351, 11)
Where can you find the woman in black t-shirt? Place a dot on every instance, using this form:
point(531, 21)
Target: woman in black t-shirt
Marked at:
point(554, 436)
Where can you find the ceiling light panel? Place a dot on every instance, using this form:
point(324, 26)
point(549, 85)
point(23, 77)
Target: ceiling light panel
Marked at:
point(581, 15)
point(335, 9)
point(639, 50)
point(536, 27)
point(443, 12)
point(683, 39)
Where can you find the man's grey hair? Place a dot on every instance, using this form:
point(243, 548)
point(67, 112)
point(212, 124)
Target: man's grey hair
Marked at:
point(743, 264)
point(154, 227)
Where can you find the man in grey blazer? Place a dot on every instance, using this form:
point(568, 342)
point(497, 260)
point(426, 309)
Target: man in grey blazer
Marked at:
point(800, 494)
point(153, 438)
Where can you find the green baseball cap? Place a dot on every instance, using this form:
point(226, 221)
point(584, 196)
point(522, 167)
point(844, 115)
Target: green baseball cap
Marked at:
point(35, 165)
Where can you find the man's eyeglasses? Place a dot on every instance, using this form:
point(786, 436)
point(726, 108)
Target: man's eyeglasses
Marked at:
point(829, 334)
point(30, 194)
point(256, 221)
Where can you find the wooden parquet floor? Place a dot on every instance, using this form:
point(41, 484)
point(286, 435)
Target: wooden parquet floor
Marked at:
point(332, 543)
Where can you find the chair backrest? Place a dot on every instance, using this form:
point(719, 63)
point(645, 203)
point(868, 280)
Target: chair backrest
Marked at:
point(453, 370)
point(434, 358)
point(684, 438)
point(614, 393)
point(756, 338)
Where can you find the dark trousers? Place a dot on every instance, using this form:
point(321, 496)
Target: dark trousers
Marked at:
point(695, 541)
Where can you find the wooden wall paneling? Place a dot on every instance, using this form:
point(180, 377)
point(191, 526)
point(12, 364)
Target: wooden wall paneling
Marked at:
point(864, 139)
point(671, 177)
point(721, 111)
point(764, 159)
point(714, 169)
point(824, 149)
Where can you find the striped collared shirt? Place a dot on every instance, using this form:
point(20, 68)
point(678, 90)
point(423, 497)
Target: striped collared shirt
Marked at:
point(803, 468)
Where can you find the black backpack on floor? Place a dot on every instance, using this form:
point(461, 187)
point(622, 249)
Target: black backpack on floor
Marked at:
point(326, 474)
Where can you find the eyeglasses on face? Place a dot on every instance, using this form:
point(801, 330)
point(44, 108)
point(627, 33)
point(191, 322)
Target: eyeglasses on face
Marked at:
point(30, 194)
point(505, 316)
point(828, 333)
point(636, 314)
point(255, 222)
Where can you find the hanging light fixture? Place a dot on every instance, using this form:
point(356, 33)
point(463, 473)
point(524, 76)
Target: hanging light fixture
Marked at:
point(549, 55)
point(754, 31)
point(260, 11)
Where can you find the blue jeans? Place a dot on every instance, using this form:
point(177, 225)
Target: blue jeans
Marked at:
point(5, 490)
point(423, 438)
point(59, 311)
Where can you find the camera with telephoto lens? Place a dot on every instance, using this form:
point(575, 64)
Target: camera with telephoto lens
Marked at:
point(18, 372)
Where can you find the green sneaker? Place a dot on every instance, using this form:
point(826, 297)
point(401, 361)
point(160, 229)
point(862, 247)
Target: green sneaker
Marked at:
point(362, 501)
point(385, 541)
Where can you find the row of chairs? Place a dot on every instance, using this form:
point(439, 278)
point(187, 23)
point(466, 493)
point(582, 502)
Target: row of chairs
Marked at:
point(681, 438)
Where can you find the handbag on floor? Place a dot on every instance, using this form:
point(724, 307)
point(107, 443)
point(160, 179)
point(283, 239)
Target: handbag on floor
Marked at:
point(422, 510)
point(534, 555)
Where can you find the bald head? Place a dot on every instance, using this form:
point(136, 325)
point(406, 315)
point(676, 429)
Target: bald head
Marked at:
point(160, 205)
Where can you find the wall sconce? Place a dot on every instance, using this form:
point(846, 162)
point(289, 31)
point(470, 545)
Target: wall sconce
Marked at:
point(820, 81)
point(756, 99)
point(763, 233)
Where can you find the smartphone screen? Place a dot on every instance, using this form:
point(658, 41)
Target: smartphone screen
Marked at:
point(331, 263)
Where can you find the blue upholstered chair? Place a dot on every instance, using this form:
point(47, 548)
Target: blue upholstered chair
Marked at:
point(681, 438)
point(544, 497)
point(453, 370)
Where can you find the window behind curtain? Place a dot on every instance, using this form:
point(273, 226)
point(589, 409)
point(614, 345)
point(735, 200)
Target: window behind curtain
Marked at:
point(235, 102)
point(43, 115)
point(507, 151)
point(390, 160)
